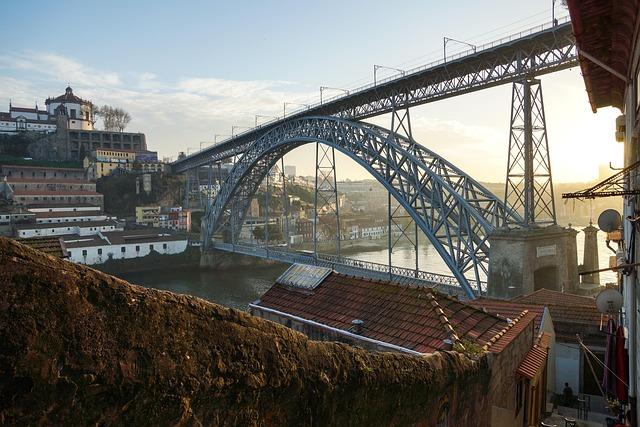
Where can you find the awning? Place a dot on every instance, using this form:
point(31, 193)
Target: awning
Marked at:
point(535, 361)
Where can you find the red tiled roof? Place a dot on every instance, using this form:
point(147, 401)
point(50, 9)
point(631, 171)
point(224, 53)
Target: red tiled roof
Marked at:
point(67, 214)
point(547, 296)
point(571, 314)
point(20, 192)
point(49, 245)
point(504, 338)
point(604, 29)
point(536, 359)
point(508, 309)
point(28, 110)
point(11, 179)
point(412, 317)
point(10, 166)
point(564, 307)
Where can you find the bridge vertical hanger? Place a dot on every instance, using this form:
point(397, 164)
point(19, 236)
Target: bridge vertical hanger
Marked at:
point(529, 185)
point(326, 197)
point(285, 205)
point(267, 197)
point(401, 226)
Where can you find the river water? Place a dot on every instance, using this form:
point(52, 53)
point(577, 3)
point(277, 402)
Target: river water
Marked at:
point(238, 287)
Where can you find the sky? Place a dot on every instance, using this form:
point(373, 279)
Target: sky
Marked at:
point(189, 70)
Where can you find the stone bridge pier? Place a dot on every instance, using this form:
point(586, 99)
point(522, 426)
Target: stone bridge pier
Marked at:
point(523, 260)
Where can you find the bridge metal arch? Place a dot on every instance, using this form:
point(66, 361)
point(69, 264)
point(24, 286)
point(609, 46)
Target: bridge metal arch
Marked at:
point(455, 212)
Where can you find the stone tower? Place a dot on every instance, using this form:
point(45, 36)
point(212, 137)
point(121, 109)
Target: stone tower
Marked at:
point(590, 261)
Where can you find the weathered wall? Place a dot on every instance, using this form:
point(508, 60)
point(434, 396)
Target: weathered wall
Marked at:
point(516, 255)
point(79, 347)
point(504, 381)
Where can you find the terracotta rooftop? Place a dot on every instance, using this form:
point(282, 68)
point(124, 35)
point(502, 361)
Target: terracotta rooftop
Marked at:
point(547, 296)
point(12, 166)
point(44, 192)
point(413, 317)
point(508, 309)
point(11, 179)
point(536, 359)
point(571, 314)
point(81, 224)
point(604, 30)
point(508, 334)
point(49, 245)
point(68, 214)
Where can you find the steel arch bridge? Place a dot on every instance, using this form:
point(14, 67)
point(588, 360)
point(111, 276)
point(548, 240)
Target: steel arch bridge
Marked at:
point(455, 212)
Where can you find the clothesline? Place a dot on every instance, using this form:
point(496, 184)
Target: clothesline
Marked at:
point(599, 361)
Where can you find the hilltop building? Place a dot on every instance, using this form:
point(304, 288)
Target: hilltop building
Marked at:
point(67, 129)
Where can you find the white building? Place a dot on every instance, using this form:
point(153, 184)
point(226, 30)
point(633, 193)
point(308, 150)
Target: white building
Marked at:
point(66, 217)
point(77, 112)
point(97, 249)
point(78, 207)
point(86, 228)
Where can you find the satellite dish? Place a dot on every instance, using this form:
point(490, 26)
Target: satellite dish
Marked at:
point(609, 220)
point(609, 301)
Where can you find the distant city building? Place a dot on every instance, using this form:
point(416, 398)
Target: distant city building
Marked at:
point(290, 171)
point(104, 162)
point(173, 218)
point(12, 171)
point(33, 185)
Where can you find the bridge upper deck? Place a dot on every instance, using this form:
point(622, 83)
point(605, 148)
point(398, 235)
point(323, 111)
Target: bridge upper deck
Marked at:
point(537, 51)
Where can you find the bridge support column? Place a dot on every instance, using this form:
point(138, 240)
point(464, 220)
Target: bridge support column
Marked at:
point(534, 253)
point(326, 197)
point(523, 260)
point(402, 229)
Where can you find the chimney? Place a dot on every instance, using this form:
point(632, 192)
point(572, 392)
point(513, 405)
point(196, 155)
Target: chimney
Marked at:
point(356, 326)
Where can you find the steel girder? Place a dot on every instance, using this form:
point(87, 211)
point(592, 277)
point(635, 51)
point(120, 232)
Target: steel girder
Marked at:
point(534, 54)
point(455, 212)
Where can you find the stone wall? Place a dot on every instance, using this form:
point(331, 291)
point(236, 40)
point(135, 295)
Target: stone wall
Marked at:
point(79, 347)
point(504, 381)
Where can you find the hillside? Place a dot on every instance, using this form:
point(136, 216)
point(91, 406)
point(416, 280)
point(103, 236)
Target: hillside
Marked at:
point(79, 347)
point(121, 199)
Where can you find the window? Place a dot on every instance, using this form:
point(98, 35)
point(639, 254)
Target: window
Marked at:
point(123, 249)
point(100, 251)
point(519, 396)
point(137, 248)
point(84, 253)
point(150, 247)
point(164, 246)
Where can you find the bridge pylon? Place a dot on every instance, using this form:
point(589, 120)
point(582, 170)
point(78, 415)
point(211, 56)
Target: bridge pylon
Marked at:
point(534, 252)
point(529, 185)
point(402, 229)
point(327, 201)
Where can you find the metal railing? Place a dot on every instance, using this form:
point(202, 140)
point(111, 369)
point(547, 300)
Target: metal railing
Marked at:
point(407, 74)
point(444, 283)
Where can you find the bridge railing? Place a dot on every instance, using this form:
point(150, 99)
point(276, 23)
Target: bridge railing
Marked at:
point(445, 283)
point(410, 72)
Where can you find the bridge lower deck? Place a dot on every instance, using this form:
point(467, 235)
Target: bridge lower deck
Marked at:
point(353, 267)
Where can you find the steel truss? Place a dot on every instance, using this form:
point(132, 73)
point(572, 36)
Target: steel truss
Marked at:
point(549, 50)
point(402, 227)
point(455, 212)
point(615, 185)
point(529, 185)
point(326, 198)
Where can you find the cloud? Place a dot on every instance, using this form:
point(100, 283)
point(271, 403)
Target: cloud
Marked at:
point(175, 115)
